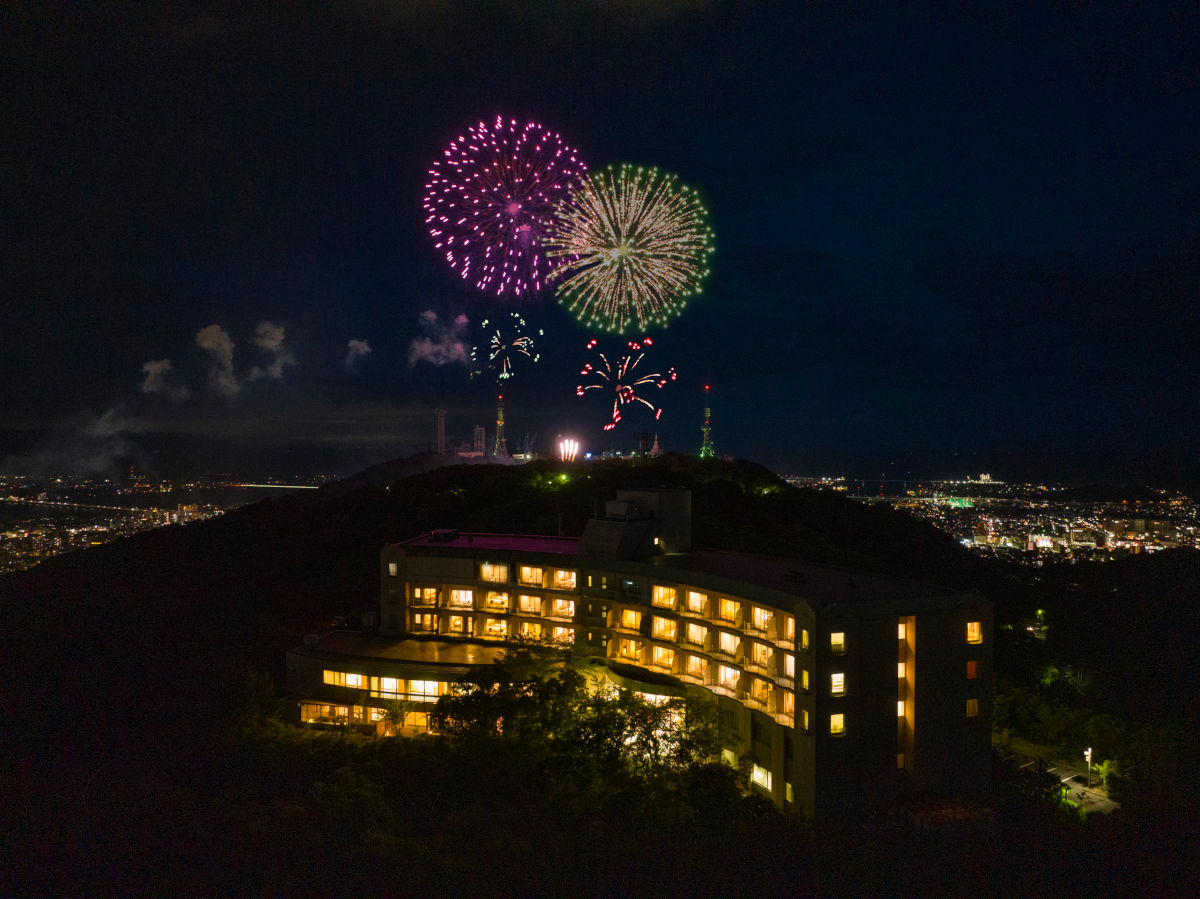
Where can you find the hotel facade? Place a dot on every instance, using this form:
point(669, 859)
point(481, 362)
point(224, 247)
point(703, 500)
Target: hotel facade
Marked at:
point(843, 692)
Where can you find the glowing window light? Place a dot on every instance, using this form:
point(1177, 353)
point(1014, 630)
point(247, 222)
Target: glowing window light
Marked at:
point(494, 572)
point(663, 597)
point(974, 632)
point(837, 724)
point(664, 628)
point(837, 684)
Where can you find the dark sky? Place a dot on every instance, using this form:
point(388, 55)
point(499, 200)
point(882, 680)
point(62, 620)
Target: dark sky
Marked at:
point(949, 239)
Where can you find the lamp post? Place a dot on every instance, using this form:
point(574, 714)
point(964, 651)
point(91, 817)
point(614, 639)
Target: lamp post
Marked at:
point(1087, 754)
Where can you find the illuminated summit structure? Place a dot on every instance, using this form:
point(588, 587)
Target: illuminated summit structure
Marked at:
point(706, 447)
point(843, 693)
point(501, 447)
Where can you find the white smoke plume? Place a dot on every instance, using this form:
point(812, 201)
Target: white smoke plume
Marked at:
point(444, 344)
point(156, 381)
point(268, 337)
point(358, 349)
point(218, 344)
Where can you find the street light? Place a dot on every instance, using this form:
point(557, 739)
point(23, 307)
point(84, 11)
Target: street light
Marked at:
point(1087, 754)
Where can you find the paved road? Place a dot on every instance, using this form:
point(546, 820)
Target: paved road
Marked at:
point(1090, 800)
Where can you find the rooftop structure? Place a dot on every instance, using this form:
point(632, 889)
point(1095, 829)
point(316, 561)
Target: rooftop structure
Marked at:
point(844, 692)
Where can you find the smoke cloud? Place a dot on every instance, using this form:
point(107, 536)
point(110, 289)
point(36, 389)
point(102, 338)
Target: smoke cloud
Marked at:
point(358, 349)
point(444, 343)
point(156, 381)
point(268, 337)
point(88, 447)
point(218, 344)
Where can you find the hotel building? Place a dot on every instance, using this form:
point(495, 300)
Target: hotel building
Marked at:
point(842, 691)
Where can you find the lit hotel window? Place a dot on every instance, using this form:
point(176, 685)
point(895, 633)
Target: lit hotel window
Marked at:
point(727, 609)
point(899, 708)
point(628, 648)
point(761, 777)
point(664, 628)
point(972, 670)
point(425, 621)
point(789, 702)
point(631, 618)
point(901, 631)
point(456, 624)
point(837, 642)
point(729, 676)
point(462, 598)
point(761, 690)
point(393, 569)
point(695, 602)
point(729, 643)
point(341, 679)
point(900, 672)
point(789, 665)
point(564, 635)
point(663, 597)
point(762, 617)
point(804, 720)
point(496, 573)
point(531, 630)
point(697, 666)
point(425, 595)
point(837, 724)
point(789, 627)
point(837, 685)
point(972, 708)
point(530, 576)
point(564, 608)
point(804, 679)
point(530, 605)
point(389, 687)
point(565, 580)
point(495, 627)
point(974, 632)
point(663, 656)
point(497, 600)
point(760, 654)
point(696, 634)
point(804, 639)
point(427, 690)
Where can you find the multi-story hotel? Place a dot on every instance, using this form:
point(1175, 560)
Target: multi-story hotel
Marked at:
point(843, 691)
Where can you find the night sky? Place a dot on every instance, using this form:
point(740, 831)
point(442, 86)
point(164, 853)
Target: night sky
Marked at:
point(953, 239)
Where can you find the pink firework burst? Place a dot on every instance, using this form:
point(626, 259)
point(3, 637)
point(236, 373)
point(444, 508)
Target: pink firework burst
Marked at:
point(624, 380)
point(490, 199)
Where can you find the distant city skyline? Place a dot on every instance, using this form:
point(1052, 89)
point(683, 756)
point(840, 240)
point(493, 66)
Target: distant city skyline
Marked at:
point(947, 239)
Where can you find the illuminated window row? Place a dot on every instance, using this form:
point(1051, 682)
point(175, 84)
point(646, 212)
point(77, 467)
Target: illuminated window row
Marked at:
point(488, 626)
point(389, 687)
point(494, 601)
point(727, 610)
point(528, 576)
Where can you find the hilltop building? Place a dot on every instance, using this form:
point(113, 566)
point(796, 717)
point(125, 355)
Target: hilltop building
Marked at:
point(843, 691)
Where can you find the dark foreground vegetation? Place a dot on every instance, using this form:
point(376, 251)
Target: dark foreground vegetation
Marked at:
point(146, 751)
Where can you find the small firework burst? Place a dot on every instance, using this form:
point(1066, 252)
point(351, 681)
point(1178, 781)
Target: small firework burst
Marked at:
point(507, 346)
point(624, 380)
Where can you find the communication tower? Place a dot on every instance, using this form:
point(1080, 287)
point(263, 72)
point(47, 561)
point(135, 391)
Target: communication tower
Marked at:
point(706, 448)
